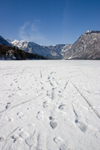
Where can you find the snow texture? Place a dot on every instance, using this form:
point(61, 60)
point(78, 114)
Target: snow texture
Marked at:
point(50, 105)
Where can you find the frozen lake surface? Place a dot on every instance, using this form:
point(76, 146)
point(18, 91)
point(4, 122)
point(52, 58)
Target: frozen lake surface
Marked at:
point(50, 105)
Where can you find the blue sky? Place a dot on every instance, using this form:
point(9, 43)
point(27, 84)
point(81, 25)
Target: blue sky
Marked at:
point(48, 22)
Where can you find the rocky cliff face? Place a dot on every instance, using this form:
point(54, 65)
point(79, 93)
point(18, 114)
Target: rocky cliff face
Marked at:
point(86, 47)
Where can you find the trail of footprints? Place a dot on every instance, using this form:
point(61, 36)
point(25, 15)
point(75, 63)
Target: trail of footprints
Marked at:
point(30, 139)
point(34, 140)
point(81, 124)
point(29, 136)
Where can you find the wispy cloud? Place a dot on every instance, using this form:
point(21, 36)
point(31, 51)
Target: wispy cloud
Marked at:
point(30, 32)
point(33, 27)
point(25, 25)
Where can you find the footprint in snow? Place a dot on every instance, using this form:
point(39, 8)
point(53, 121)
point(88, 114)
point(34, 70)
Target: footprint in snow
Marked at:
point(39, 115)
point(2, 138)
point(21, 115)
point(28, 108)
point(19, 88)
point(42, 88)
point(32, 140)
point(10, 119)
point(45, 104)
point(62, 107)
point(48, 93)
point(27, 129)
point(15, 138)
point(10, 95)
point(52, 118)
point(8, 105)
point(57, 140)
point(82, 126)
point(41, 141)
point(53, 124)
point(65, 147)
point(24, 135)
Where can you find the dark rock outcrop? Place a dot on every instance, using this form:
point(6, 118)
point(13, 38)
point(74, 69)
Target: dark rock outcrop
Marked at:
point(3, 41)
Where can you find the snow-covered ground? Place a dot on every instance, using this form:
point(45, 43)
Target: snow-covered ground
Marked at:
point(50, 105)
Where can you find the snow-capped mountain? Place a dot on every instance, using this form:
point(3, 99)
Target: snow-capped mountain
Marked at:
point(9, 40)
point(86, 47)
point(47, 51)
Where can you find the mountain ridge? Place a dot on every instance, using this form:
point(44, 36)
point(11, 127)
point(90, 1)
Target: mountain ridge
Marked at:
point(87, 46)
point(47, 51)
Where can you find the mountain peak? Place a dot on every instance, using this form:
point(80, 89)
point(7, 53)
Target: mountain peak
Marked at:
point(89, 32)
point(86, 47)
